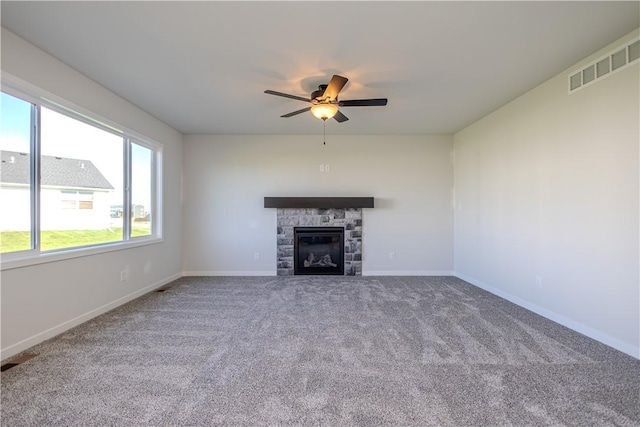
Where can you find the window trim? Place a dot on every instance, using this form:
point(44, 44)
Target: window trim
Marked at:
point(28, 92)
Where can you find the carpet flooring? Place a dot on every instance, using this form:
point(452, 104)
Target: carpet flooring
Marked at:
point(302, 350)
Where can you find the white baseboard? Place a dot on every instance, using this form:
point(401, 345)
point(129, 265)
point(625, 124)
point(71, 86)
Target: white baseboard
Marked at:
point(595, 334)
point(14, 349)
point(406, 273)
point(229, 273)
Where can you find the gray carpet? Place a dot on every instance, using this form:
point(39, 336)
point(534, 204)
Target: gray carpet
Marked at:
point(428, 351)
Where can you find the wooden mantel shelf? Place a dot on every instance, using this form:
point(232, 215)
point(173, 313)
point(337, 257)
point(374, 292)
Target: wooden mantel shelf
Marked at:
point(318, 202)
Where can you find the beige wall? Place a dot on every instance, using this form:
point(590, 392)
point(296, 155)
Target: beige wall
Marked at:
point(548, 187)
point(227, 177)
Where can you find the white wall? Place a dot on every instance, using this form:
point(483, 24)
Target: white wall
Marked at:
point(548, 186)
point(227, 177)
point(43, 300)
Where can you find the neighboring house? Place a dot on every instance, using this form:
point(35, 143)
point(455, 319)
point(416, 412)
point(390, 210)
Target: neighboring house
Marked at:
point(138, 212)
point(74, 194)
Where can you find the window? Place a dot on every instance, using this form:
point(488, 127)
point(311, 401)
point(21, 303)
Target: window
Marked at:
point(77, 200)
point(87, 163)
point(85, 200)
point(141, 190)
point(16, 190)
point(86, 171)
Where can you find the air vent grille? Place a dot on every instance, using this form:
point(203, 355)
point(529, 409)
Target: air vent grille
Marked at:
point(634, 51)
point(616, 60)
point(17, 361)
point(603, 66)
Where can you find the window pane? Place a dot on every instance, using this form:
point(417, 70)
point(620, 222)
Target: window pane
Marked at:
point(84, 204)
point(141, 194)
point(15, 181)
point(68, 204)
point(81, 183)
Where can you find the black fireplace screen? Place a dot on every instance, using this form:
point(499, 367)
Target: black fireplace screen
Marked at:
point(318, 250)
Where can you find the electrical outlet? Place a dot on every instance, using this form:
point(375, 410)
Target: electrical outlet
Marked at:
point(538, 282)
point(327, 168)
point(321, 168)
point(124, 275)
point(392, 256)
point(256, 255)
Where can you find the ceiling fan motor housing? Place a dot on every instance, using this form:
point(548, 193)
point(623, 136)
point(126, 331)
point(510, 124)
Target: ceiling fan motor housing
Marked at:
point(317, 94)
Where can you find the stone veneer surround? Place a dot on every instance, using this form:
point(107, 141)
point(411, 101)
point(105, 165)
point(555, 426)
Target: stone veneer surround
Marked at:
point(349, 218)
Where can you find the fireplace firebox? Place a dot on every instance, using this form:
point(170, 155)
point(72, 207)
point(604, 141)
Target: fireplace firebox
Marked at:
point(318, 250)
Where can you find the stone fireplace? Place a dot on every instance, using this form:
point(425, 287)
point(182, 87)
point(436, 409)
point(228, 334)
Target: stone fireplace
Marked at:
point(349, 219)
point(329, 223)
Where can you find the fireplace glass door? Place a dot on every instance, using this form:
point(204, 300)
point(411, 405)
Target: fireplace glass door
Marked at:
point(318, 250)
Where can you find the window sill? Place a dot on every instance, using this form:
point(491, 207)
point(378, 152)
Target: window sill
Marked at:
point(8, 262)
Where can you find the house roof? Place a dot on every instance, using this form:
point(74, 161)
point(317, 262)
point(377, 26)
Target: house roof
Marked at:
point(55, 171)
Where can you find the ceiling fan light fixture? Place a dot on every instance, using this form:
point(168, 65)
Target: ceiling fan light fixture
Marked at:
point(324, 101)
point(324, 111)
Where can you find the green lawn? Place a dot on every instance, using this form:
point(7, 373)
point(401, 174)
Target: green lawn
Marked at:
point(11, 241)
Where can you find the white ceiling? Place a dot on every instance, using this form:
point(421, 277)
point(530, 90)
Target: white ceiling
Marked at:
point(202, 67)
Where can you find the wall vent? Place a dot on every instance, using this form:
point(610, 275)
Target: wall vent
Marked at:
point(614, 61)
point(17, 361)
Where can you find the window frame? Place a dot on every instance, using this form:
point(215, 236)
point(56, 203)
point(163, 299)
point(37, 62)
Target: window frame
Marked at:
point(38, 97)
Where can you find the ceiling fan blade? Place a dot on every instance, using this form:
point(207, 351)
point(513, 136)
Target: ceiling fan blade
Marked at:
point(363, 102)
point(295, 113)
point(286, 95)
point(340, 117)
point(335, 86)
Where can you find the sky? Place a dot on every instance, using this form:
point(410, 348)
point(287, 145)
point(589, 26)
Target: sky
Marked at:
point(63, 136)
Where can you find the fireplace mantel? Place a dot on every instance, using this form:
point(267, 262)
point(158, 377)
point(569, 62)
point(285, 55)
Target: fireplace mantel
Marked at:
point(318, 202)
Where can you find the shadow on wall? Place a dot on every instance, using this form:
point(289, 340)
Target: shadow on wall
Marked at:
point(384, 203)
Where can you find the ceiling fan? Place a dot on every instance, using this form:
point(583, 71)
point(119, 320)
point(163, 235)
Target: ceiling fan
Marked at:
point(325, 101)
